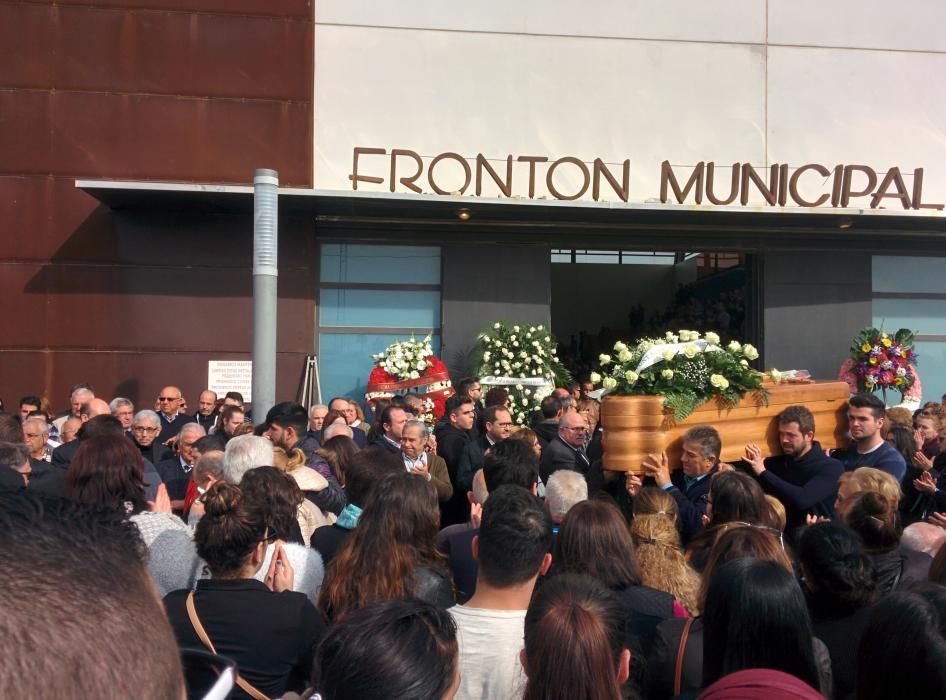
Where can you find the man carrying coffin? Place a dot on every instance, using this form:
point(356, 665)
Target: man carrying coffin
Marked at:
point(803, 477)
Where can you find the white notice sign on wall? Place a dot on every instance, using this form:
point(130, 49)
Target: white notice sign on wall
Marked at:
point(231, 375)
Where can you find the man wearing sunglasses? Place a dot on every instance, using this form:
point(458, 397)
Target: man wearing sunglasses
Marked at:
point(172, 420)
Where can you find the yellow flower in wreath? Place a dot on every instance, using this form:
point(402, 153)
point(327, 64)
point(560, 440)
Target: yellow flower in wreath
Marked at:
point(887, 342)
point(873, 360)
point(865, 347)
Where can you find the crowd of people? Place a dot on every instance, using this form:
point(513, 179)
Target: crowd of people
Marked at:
point(313, 553)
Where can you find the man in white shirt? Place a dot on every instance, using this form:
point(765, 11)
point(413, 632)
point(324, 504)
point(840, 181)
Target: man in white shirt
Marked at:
point(513, 551)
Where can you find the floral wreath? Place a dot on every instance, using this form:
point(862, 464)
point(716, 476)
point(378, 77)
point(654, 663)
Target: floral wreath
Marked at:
point(522, 359)
point(881, 361)
point(410, 365)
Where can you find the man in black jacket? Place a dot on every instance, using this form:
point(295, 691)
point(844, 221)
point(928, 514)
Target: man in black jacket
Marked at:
point(689, 485)
point(547, 428)
point(453, 437)
point(567, 451)
point(803, 477)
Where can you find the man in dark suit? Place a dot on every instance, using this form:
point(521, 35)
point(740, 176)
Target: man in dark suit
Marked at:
point(497, 425)
point(567, 450)
point(689, 485)
point(470, 386)
point(453, 437)
point(176, 470)
point(393, 419)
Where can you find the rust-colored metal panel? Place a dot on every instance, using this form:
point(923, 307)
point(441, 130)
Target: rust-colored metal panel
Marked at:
point(154, 137)
point(38, 214)
point(25, 307)
point(135, 308)
point(138, 376)
point(116, 50)
point(25, 132)
point(299, 9)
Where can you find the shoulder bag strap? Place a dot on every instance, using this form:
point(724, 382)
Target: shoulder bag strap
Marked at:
point(681, 653)
point(248, 688)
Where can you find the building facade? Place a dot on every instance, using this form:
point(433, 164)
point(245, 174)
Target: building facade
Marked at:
point(447, 165)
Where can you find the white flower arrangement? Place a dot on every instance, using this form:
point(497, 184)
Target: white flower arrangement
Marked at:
point(523, 360)
point(685, 368)
point(405, 359)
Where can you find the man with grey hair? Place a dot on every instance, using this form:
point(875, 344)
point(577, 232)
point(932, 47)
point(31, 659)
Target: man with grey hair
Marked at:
point(175, 471)
point(567, 450)
point(243, 453)
point(690, 484)
point(35, 435)
point(335, 429)
point(418, 461)
point(69, 430)
point(124, 410)
point(922, 538)
point(145, 428)
point(317, 415)
point(564, 489)
point(81, 394)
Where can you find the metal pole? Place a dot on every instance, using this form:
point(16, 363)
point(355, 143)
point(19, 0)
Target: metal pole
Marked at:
point(265, 273)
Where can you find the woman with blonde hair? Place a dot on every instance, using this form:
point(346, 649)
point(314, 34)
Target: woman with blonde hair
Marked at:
point(310, 482)
point(866, 479)
point(662, 564)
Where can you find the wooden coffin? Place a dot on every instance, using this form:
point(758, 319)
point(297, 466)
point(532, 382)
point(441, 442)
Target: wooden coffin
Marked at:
point(635, 426)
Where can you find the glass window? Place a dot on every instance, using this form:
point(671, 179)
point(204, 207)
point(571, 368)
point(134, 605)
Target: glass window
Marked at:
point(931, 364)
point(379, 264)
point(909, 274)
point(922, 316)
point(379, 308)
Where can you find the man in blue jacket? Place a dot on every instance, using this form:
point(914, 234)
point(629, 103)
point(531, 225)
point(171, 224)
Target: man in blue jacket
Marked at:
point(690, 485)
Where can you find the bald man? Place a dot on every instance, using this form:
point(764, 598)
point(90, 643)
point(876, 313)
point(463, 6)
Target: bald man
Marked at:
point(169, 410)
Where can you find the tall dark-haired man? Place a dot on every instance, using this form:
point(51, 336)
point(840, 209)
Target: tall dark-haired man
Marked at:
point(547, 429)
point(866, 416)
point(452, 439)
point(512, 548)
point(803, 477)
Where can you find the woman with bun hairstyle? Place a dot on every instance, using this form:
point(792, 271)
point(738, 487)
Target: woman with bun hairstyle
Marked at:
point(873, 517)
point(574, 642)
point(269, 630)
point(839, 586)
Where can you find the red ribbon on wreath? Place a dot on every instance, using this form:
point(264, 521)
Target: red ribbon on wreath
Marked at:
point(433, 383)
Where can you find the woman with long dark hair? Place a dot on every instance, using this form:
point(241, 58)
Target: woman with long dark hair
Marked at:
point(594, 540)
point(733, 497)
point(389, 650)
point(839, 588)
point(108, 471)
point(391, 553)
point(902, 652)
point(675, 662)
point(574, 642)
point(755, 617)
